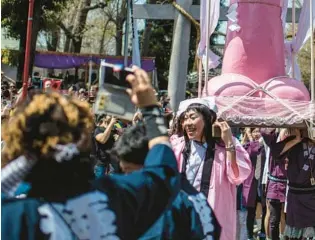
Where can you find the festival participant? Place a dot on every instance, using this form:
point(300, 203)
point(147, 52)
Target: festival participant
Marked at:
point(48, 146)
point(252, 187)
point(185, 218)
point(82, 95)
point(300, 151)
point(72, 91)
point(212, 167)
point(104, 141)
point(276, 184)
point(47, 86)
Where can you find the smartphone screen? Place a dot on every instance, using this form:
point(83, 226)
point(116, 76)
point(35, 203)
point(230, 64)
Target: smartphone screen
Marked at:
point(117, 78)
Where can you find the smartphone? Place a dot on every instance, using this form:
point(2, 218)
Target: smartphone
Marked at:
point(216, 132)
point(113, 99)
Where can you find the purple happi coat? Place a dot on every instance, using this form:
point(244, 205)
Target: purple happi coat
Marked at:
point(275, 189)
point(251, 184)
point(301, 204)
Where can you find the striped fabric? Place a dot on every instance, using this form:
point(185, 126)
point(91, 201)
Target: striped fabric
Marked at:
point(14, 173)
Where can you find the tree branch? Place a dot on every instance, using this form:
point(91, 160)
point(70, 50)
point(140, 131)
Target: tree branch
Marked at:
point(66, 30)
point(96, 6)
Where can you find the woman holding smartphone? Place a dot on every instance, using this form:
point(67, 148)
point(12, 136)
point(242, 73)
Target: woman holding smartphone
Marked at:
point(213, 166)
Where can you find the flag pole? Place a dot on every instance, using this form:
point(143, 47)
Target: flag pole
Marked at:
point(28, 48)
point(126, 35)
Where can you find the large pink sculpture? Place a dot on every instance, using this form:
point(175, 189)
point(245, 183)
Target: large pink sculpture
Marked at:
point(255, 54)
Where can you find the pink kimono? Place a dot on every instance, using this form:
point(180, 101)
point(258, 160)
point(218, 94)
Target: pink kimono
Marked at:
point(222, 192)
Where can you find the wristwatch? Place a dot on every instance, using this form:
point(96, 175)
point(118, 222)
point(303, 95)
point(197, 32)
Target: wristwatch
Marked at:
point(230, 148)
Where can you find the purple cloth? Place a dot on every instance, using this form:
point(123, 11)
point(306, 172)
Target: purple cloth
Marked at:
point(301, 206)
point(275, 190)
point(250, 185)
point(54, 61)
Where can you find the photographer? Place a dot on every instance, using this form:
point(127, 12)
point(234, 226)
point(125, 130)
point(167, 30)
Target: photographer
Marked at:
point(104, 141)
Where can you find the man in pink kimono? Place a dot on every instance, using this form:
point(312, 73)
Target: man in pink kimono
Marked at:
point(213, 165)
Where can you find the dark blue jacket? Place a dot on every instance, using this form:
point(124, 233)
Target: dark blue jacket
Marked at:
point(118, 207)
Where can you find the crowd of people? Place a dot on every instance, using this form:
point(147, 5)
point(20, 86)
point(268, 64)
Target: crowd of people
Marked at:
point(68, 173)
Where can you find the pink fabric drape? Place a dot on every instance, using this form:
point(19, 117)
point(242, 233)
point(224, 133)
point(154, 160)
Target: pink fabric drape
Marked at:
point(303, 34)
point(284, 13)
point(214, 18)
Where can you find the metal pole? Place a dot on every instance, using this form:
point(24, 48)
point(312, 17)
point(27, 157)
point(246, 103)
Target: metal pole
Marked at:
point(101, 75)
point(90, 74)
point(207, 46)
point(199, 77)
point(127, 34)
point(28, 47)
point(293, 36)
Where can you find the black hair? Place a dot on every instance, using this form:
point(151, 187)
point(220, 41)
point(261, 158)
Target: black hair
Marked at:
point(74, 88)
point(132, 146)
point(6, 93)
point(176, 128)
point(209, 117)
point(100, 118)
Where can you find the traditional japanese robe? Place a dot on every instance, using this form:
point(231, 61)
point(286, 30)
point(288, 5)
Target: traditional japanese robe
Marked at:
point(115, 207)
point(189, 217)
point(301, 203)
point(222, 189)
point(277, 176)
point(252, 185)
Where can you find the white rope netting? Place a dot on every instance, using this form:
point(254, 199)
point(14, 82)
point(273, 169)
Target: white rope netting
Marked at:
point(248, 110)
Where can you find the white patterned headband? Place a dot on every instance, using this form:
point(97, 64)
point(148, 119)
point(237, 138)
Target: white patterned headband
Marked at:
point(15, 172)
point(207, 101)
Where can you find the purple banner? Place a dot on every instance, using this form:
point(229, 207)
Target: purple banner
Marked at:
point(55, 61)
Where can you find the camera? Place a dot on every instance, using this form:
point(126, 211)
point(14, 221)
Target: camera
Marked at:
point(113, 98)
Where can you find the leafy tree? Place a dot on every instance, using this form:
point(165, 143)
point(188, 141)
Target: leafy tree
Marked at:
point(157, 42)
point(14, 20)
point(116, 13)
point(160, 47)
point(304, 60)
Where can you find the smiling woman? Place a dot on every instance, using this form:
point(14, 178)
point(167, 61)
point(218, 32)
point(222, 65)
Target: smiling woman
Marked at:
point(213, 166)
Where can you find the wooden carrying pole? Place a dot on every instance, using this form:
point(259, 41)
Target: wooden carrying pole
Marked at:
point(312, 80)
point(293, 36)
point(312, 53)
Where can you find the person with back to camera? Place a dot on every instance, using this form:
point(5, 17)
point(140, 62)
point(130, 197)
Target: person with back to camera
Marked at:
point(189, 217)
point(48, 146)
point(214, 166)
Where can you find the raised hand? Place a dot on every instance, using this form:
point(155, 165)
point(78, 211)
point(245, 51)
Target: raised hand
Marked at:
point(142, 93)
point(226, 133)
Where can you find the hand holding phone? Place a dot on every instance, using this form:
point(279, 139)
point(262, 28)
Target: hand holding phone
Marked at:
point(114, 99)
point(142, 93)
point(226, 133)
